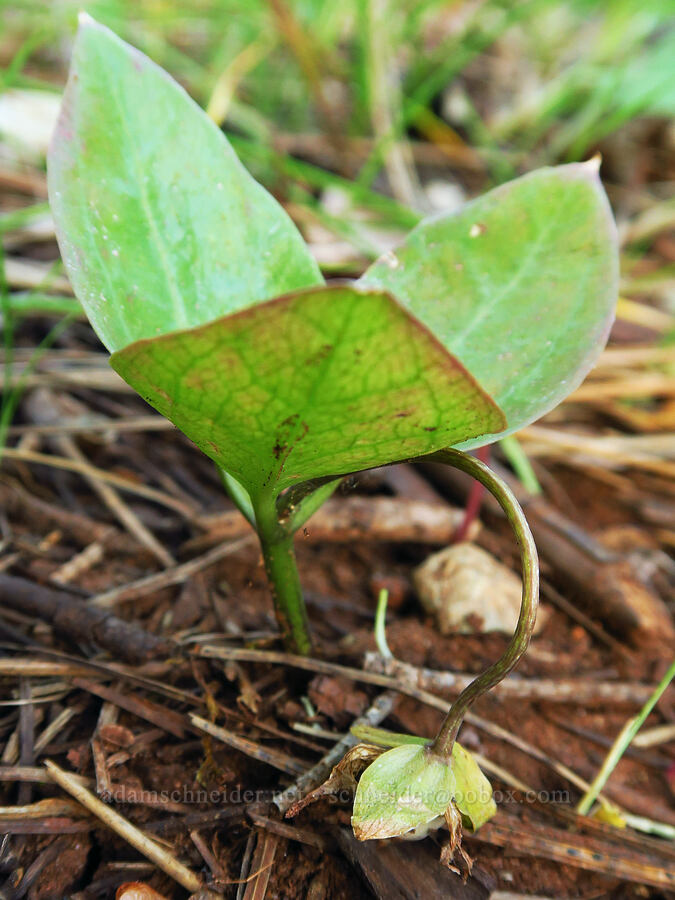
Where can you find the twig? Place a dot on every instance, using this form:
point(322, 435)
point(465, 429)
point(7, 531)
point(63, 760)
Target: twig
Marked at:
point(582, 691)
point(13, 891)
point(128, 832)
point(78, 621)
point(26, 737)
point(217, 870)
point(530, 688)
point(655, 761)
point(246, 864)
point(167, 719)
point(302, 835)
point(271, 757)
point(42, 515)
point(556, 598)
point(54, 728)
point(312, 778)
point(78, 564)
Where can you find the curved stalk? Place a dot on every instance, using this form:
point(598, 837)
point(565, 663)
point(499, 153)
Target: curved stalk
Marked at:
point(444, 740)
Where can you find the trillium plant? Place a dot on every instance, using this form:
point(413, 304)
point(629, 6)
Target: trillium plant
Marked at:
point(216, 313)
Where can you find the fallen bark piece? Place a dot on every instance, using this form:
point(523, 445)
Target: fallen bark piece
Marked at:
point(585, 852)
point(467, 590)
point(396, 872)
point(346, 519)
point(384, 519)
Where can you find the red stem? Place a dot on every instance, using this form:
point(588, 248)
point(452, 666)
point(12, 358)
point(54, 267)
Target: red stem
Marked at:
point(474, 500)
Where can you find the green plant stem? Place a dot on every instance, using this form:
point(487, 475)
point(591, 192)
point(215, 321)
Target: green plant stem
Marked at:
point(381, 625)
point(444, 740)
point(520, 464)
point(282, 571)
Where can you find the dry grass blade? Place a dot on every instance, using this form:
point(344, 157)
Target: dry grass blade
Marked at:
point(128, 832)
point(114, 426)
point(31, 274)
point(40, 668)
point(175, 575)
point(649, 452)
point(45, 407)
point(89, 471)
point(43, 808)
point(652, 737)
point(645, 385)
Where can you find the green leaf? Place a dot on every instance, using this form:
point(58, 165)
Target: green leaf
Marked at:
point(383, 738)
point(473, 792)
point(520, 285)
point(404, 789)
point(159, 224)
point(322, 382)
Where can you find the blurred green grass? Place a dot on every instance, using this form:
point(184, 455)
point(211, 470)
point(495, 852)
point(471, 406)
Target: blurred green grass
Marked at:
point(507, 84)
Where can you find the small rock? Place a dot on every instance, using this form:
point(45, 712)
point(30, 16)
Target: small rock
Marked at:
point(468, 590)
